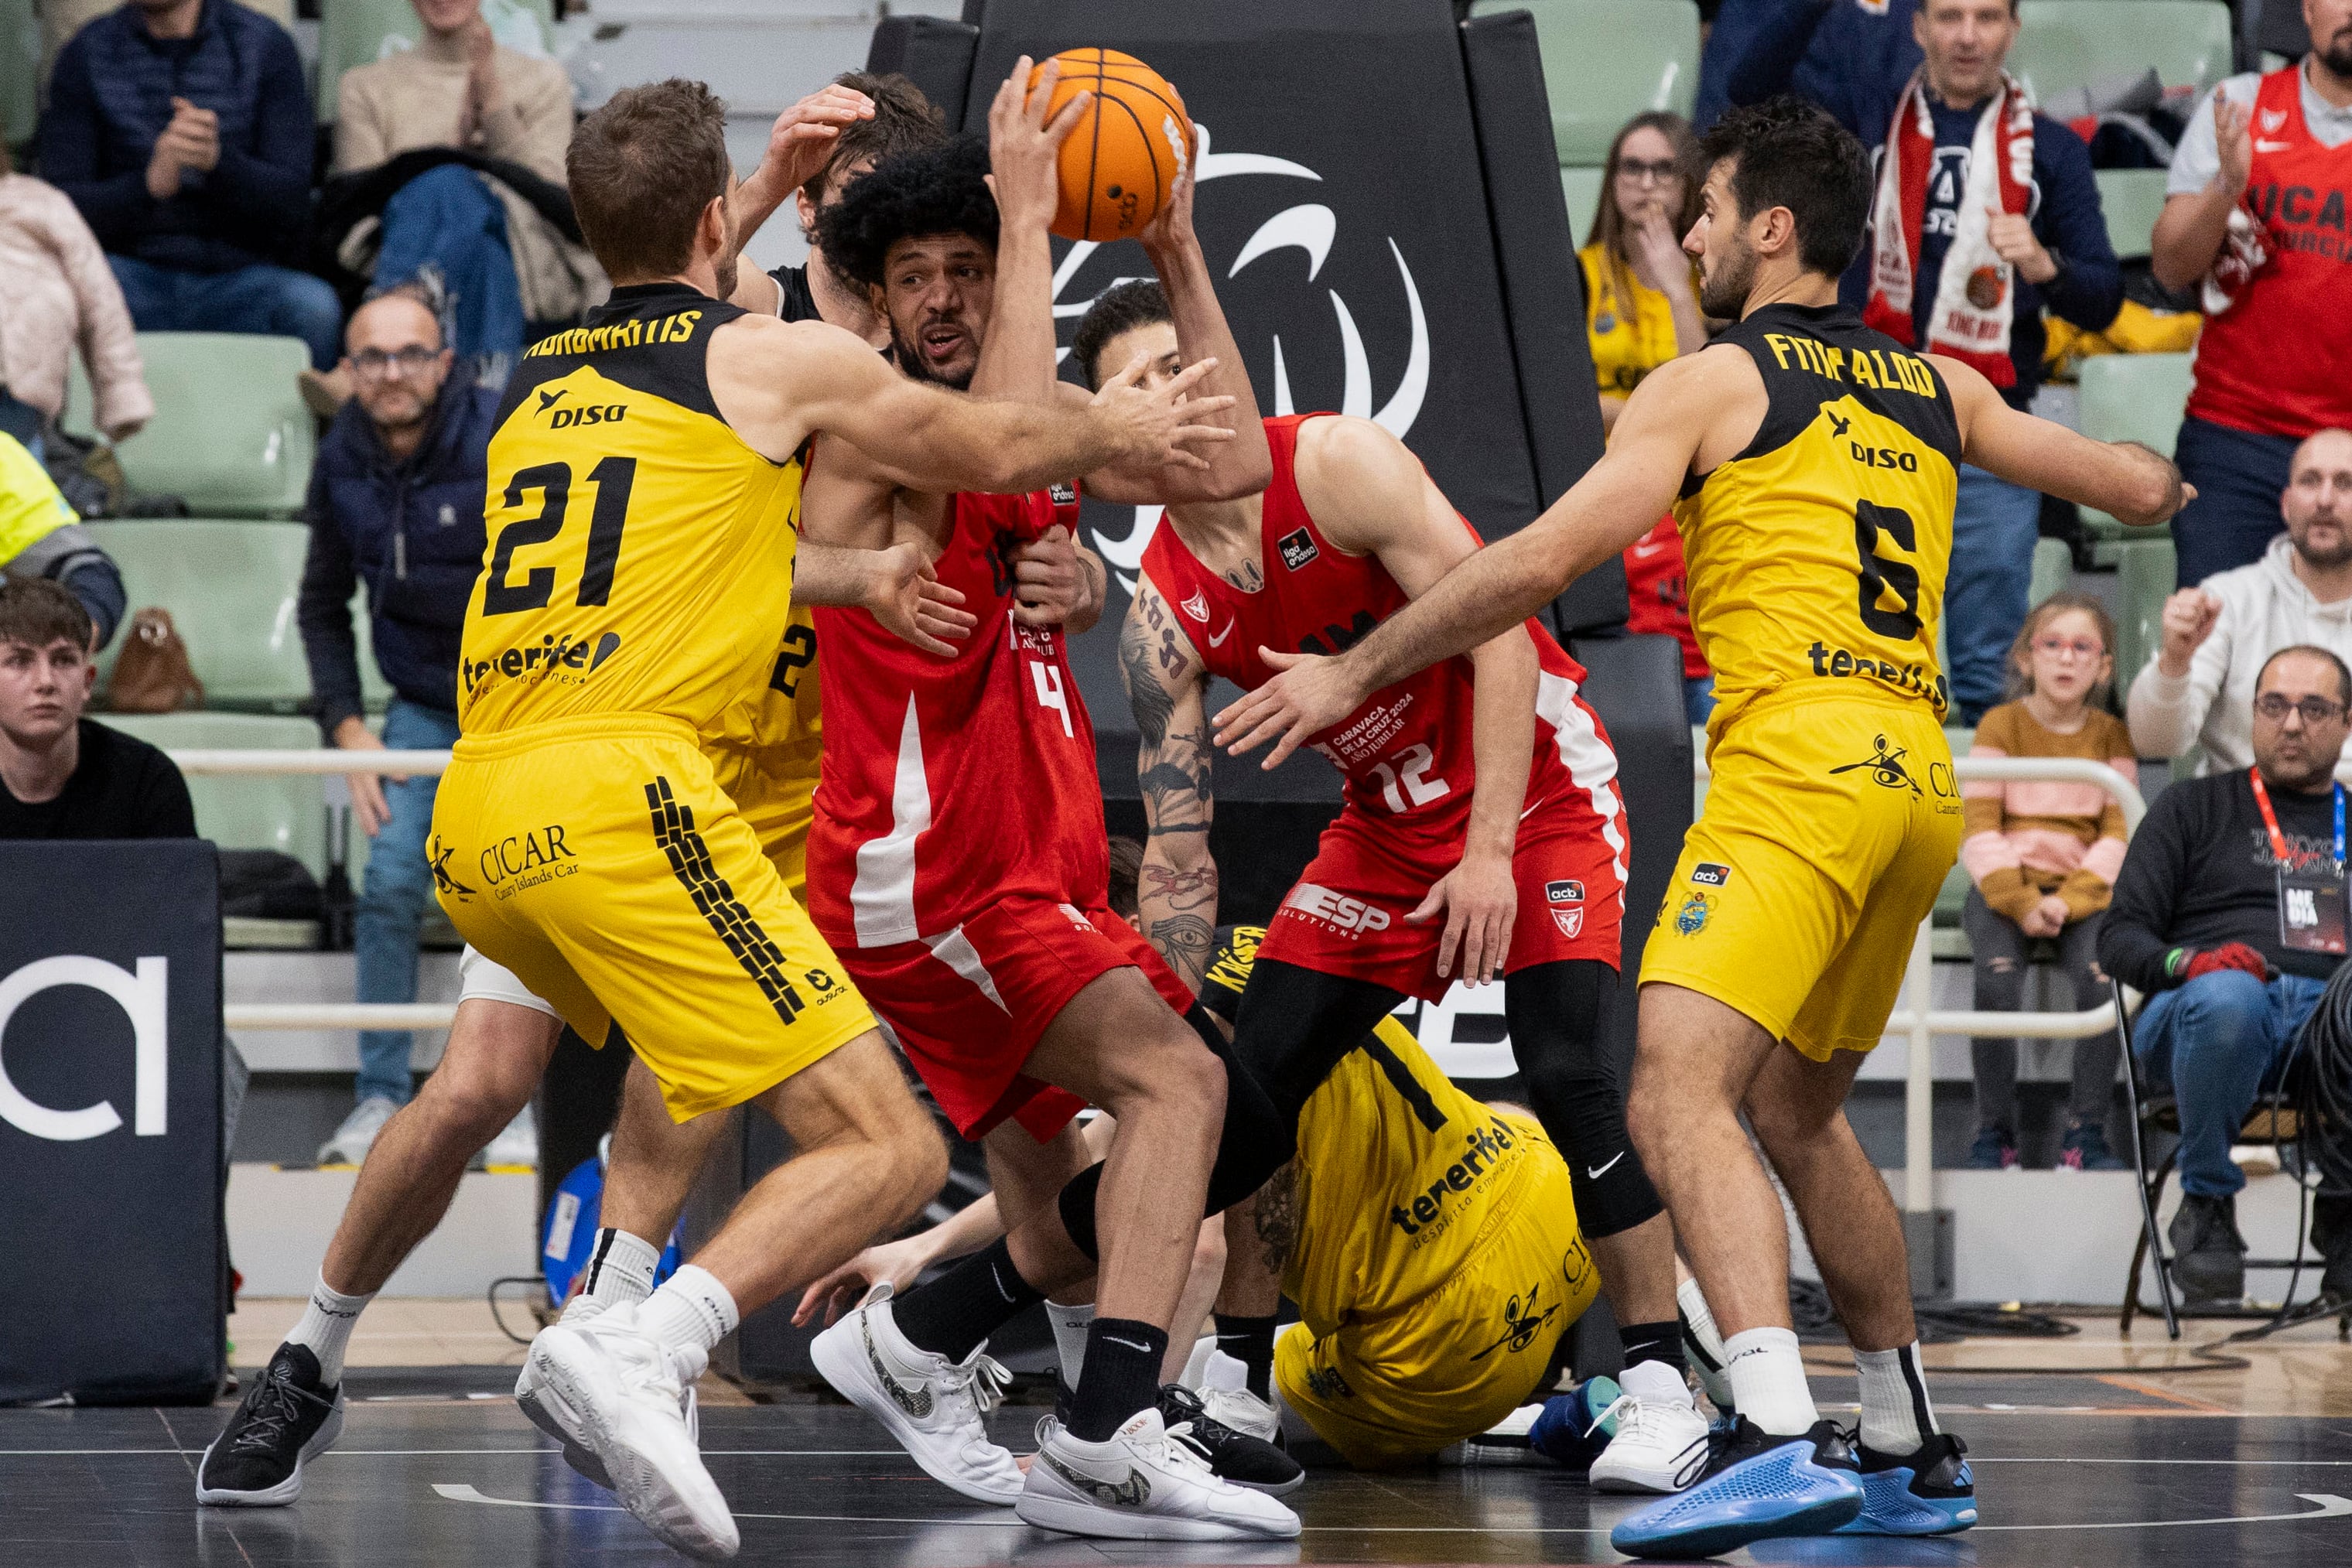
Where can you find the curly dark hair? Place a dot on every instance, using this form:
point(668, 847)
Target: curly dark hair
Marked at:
point(1792, 155)
point(1123, 307)
point(936, 191)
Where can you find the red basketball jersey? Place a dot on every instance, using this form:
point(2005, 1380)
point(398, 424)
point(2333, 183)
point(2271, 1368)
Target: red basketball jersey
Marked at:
point(1406, 752)
point(948, 783)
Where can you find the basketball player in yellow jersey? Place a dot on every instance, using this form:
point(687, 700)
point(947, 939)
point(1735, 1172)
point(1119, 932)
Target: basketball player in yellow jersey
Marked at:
point(643, 485)
point(1812, 464)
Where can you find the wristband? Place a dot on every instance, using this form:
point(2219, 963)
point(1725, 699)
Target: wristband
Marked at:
point(2177, 960)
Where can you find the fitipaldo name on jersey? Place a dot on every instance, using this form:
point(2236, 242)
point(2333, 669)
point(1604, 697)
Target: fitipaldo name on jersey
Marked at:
point(1888, 369)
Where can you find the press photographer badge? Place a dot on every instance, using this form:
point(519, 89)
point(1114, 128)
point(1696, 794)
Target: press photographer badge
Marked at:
point(2310, 887)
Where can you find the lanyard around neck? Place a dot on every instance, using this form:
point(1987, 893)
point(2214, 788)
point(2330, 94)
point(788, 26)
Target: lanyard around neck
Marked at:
point(2269, 820)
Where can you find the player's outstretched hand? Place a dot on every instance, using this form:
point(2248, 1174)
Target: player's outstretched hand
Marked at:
point(1159, 424)
point(894, 1263)
point(1307, 696)
point(913, 604)
point(802, 137)
point(1480, 901)
point(1172, 225)
point(1024, 150)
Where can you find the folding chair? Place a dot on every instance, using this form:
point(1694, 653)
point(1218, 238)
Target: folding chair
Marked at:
point(2273, 1121)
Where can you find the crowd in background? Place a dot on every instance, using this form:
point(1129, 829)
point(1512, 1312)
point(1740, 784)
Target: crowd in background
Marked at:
point(176, 191)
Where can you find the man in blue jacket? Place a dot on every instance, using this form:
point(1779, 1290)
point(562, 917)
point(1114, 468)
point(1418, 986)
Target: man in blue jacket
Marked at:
point(1987, 213)
point(182, 130)
point(395, 503)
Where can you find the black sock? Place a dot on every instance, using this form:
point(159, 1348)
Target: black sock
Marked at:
point(956, 1312)
point(1121, 1377)
point(1656, 1342)
point(1250, 1340)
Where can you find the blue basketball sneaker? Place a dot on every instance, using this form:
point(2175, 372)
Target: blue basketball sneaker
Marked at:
point(1575, 1427)
point(1755, 1485)
point(1931, 1492)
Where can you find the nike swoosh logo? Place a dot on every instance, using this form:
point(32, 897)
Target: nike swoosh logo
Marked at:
point(1604, 1170)
point(1132, 1492)
point(1218, 641)
point(914, 1402)
point(1128, 1342)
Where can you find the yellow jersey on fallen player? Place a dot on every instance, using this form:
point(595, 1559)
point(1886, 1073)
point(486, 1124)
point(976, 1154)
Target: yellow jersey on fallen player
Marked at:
point(1819, 553)
point(640, 554)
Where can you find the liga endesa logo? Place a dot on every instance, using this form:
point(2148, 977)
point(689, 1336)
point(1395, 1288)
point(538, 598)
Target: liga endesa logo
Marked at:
point(1311, 227)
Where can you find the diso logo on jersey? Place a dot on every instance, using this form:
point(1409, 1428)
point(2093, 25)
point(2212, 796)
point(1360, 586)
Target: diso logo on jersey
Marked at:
point(586, 413)
point(545, 657)
point(1340, 912)
point(526, 859)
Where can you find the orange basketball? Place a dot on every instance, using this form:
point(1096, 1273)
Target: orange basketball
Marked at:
point(1125, 149)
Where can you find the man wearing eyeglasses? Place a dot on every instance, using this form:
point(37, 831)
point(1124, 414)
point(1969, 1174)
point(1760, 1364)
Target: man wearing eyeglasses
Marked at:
point(2230, 913)
point(396, 503)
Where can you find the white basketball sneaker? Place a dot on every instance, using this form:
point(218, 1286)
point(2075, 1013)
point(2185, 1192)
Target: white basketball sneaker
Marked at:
point(934, 1407)
point(1141, 1485)
point(1660, 1446)
point(624, 1396)
point(551, 1416)
point(1244, 1412)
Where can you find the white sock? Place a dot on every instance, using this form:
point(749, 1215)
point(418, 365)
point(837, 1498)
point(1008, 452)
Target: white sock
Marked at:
point(326, 1327)
point(1895, 1415)
point(692, 1308)
point(1703, 1345)
point(1070, 1324)
point(1767, 1381)
point(620, 1273)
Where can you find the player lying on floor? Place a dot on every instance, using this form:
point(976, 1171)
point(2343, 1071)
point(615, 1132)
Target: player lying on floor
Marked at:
point(1430, 1243)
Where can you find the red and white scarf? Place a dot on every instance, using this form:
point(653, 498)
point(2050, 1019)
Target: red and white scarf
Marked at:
point(1976, 290)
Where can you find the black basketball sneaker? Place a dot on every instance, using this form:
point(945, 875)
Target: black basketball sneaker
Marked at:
point(1234, 1455)
point(286, 1419)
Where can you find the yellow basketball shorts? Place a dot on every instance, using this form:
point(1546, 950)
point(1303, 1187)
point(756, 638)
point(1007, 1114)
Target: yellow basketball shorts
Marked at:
point(775, 791)
point(1394, 1388)
point(598, 859)
point(1829, 827)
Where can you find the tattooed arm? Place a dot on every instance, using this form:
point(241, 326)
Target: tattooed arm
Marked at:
point(1166, 685)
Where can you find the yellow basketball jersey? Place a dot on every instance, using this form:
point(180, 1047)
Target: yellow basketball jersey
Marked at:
point(1819, 553)
point(1401, 1176)
point(640, 553)
point(780, 717)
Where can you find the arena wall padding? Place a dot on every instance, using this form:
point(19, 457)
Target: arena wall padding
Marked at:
point(1543, 286)
point(932, 52)
point(119, 1291)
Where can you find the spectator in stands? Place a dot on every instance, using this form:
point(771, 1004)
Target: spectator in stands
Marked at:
point(62, 776)
point(2230, 892)
point(2198, 690)
point(396, 503)
point(56, 295)
point(503, 258)
point(904, 120)
point(2043, 856)
point(40, 537)
point(2254, 211)
point(1851, 58)
point(61, 19)
point(182, 130)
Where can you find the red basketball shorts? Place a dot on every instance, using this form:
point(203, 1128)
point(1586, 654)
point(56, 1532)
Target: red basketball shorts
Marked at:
point(967, 1006)
point(1346, 914)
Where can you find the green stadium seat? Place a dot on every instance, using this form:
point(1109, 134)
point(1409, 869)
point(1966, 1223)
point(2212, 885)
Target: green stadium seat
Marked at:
point(286, 812)
point(20, 70)
point(230, 435)
point(1605, 61)
point(2145, 571)
point(231, 588)
point(2130, 397)
point(2053, 567)
point(2130, 199)
point(1582, 189)
point(359, 32)
point(2064, 44)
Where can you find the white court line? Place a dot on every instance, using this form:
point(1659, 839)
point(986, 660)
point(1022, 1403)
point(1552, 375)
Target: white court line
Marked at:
point(469, 1453)
point(2330, 1506)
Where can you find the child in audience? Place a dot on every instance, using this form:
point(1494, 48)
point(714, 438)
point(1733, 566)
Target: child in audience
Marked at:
point(2043, 856)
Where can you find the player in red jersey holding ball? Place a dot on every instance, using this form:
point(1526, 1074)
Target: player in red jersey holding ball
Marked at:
point(958, 866)
point(1483, 829)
